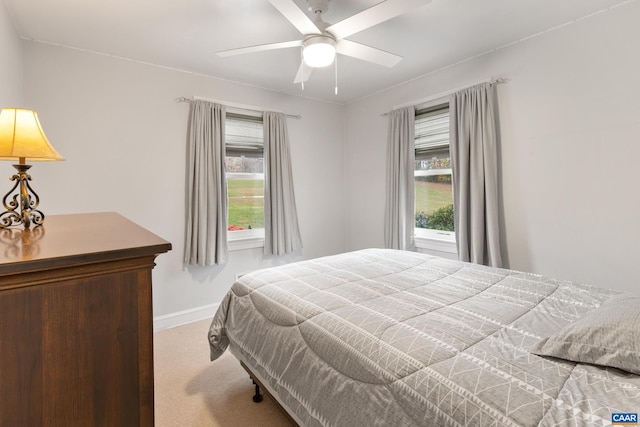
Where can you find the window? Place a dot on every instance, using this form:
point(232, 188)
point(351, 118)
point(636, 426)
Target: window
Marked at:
point(433, 185)
point(244, 168)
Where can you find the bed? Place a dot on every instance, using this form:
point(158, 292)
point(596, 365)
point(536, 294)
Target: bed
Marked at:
point(381, 337)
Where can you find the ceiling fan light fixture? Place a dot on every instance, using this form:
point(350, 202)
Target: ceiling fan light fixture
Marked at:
point(319, 51)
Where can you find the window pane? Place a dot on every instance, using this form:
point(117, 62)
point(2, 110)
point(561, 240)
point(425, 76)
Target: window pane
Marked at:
point(434, 200)
point(246, 201)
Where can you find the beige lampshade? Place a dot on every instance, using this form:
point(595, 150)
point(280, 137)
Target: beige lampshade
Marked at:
point(21, 136)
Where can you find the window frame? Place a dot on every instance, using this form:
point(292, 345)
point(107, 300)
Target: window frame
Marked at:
point(429, 239)
point(243, 239)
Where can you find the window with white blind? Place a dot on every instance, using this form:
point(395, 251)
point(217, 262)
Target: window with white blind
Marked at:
point(432, 174)
point(244, 168)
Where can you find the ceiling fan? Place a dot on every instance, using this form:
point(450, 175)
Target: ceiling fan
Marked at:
point(321, 41)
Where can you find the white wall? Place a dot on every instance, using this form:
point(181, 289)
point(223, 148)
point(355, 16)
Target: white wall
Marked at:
point(570, 122)
point(10, 62)
point(123, 136)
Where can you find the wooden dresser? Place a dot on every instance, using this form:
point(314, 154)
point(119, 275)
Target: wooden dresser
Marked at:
point(76, 322)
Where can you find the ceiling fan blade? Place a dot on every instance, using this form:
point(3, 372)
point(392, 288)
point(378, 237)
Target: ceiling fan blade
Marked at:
point(374, 15)
point(297, 17)
point(367, 53)
point(259, 48)
point(303, 73)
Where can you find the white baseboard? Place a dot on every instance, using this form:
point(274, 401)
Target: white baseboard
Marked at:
point(178, 318)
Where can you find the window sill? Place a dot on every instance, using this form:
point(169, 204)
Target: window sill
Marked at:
point(245, 239)
point(435, 241)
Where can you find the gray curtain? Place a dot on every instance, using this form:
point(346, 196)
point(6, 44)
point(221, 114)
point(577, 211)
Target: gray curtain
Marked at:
point(206, 222)
point(399, 215)
point(281, 231)
point(473, 122)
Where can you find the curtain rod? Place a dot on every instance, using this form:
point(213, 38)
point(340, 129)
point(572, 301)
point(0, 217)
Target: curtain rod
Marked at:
point(498, 80)
point(233, 106)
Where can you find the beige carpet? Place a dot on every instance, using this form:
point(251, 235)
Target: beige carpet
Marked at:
point(192, 391)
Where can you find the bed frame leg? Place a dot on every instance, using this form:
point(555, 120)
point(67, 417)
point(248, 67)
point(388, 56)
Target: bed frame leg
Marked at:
point(257, 397)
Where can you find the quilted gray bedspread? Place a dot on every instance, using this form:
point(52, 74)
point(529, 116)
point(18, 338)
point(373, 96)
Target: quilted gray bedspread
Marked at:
point(391, 338)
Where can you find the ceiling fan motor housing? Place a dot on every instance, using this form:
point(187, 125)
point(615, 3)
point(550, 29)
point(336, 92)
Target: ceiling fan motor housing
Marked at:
point(318, 6)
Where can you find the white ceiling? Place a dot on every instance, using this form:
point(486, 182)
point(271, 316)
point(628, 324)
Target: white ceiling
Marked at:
point(186, 34)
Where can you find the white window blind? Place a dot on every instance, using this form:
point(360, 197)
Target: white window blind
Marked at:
point(432, 133)
point(243, 136)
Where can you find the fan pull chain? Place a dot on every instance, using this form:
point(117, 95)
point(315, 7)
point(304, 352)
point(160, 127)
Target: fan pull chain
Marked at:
point(336, 68)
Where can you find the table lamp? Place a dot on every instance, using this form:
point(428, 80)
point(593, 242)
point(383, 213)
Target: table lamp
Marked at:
point(22, 138)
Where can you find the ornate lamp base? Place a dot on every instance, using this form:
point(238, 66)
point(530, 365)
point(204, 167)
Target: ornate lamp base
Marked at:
point(21, 207)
